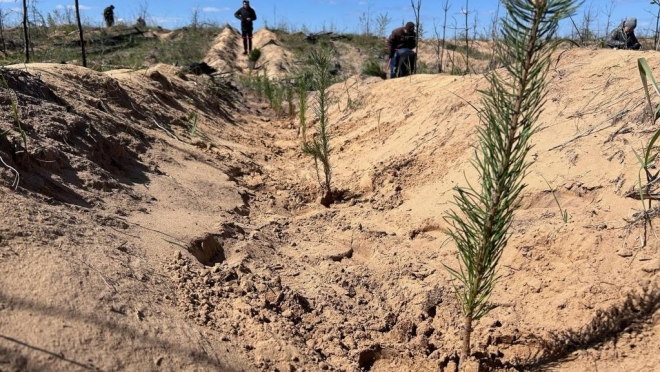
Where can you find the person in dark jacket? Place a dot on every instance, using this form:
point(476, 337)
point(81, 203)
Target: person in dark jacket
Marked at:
point(401, 43)
point(247, 15)
point(109, 16)
point(624, 36)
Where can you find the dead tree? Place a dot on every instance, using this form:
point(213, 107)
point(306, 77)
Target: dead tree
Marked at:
point(25, 32)
point(445, 8)
point(467, 38)
point(2, 31)
point(82, 39)
point(416, 9)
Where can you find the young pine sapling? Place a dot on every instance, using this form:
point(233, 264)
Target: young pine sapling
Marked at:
point(511, 107)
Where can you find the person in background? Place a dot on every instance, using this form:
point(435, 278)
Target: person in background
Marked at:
point(109, 16)
point(624, 36)
point(140, 22)
point(401, 43)
point(247, 15)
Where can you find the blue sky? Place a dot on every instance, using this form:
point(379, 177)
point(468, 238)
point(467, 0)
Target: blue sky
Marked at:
point(340, 15)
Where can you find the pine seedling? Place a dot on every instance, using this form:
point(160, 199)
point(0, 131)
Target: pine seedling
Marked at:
point(269, 90)
point(511, 107)
point(258, 86)
point(289, 100)
point(319, 146)
point(192, 118)
point(278, 97)
point(648, 155)
point(302, 87)
point(14, 109)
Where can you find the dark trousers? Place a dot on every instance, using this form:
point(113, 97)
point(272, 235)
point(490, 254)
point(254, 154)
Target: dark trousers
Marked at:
point(402, 63)
point(247, 37)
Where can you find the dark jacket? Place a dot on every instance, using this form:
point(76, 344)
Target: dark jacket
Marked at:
point(619, 39)
point(244, 13)
point(399, 39)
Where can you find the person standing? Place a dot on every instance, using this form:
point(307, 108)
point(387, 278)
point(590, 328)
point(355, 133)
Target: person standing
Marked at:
point(247, 15)
point(624, 36)
point(109, 16)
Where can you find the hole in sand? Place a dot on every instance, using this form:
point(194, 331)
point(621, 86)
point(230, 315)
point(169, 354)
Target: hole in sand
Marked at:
point(367, 358)
point(210, 249)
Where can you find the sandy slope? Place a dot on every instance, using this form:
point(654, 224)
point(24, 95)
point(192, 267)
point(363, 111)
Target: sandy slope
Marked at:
point(125, 248)
point(227, 54)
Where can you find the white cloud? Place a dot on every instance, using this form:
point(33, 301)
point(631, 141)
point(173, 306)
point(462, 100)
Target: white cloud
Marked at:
point(166, 20)
point(210, 9)
point(82, 7)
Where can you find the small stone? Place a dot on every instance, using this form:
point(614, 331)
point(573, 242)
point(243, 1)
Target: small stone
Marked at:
point(158, 361)
point(652, 266)
point(624, 252)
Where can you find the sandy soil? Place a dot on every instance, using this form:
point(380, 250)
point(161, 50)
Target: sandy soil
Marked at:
point(227, 54)
point(137, 241)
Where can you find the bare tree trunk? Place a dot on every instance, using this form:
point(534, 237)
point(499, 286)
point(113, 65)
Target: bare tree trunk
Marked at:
point(467, 39)
point(416, 9)
point(576, 30)
point(495, 36)
point(445, 7)
point(656, 41)
point(25, 32)
point(82, 39)
point(2, 31)
point(609, 22)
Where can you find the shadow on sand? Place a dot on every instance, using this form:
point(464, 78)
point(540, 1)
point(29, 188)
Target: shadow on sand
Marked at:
point(19, 360)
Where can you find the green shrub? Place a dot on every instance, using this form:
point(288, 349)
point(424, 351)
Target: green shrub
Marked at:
point(255, 54)
point(372, 68)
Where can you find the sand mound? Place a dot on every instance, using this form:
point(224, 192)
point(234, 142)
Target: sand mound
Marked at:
point(227, 54)
point(278, 61)
point(224, 53)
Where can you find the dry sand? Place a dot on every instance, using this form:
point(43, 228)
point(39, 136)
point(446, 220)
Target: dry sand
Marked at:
point(131, 244)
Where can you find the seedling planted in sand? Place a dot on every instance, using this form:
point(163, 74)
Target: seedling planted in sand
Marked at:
point(192, 118)
point(289, 99)
point(14, 109)
point(648, 155)
point(319, 146)
point(511, 107)
point(302, 87)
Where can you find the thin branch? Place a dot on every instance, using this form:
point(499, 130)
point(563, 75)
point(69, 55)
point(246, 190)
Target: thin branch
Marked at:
point(14, 184)
point(592, 129)
point(165, 130)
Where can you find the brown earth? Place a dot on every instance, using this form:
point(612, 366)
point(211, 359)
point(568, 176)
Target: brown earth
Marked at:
point(138, 241)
